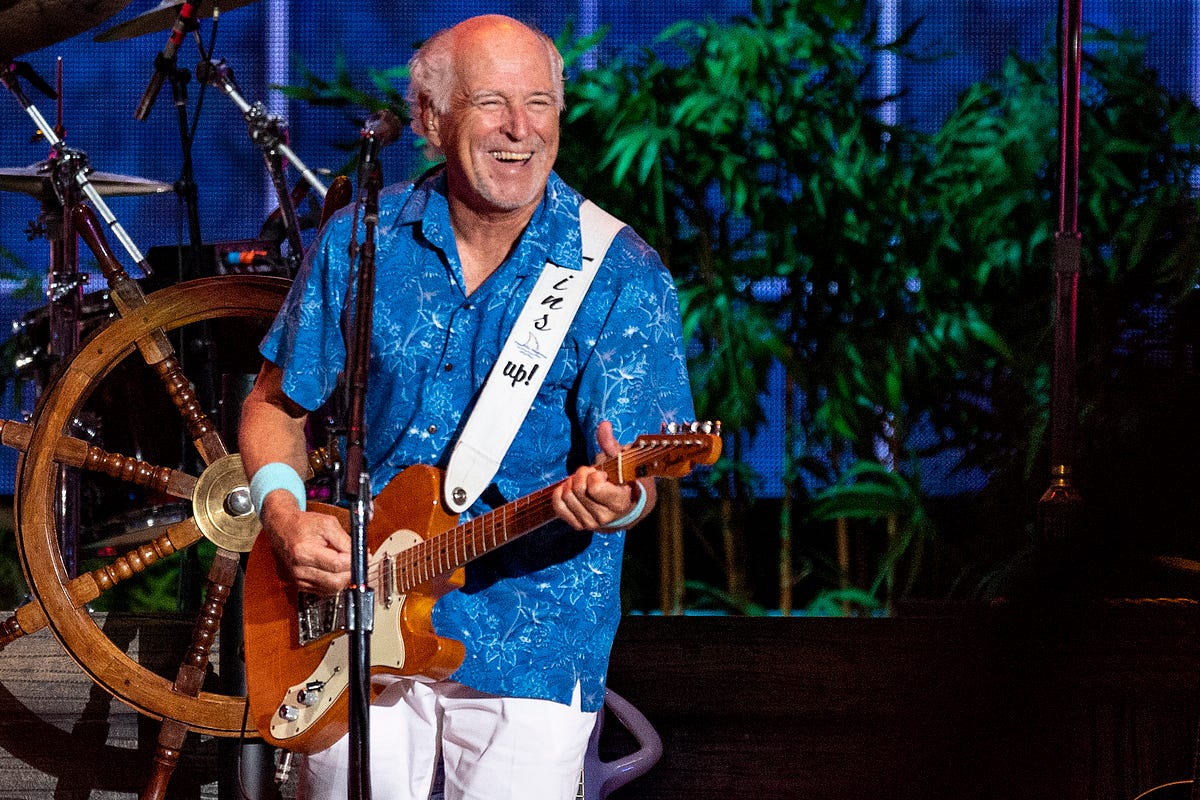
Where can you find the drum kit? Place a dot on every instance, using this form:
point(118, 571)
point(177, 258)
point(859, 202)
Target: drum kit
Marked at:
point(90, 356)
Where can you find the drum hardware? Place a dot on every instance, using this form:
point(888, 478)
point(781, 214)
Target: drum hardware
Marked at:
point(69, 170)
point(268, 132)
point(265, 130)
point(66, 170)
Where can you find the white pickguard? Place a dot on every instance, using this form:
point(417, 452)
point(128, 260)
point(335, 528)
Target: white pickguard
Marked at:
point(317, 693)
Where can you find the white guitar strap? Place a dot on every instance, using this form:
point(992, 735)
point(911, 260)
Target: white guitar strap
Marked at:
point(524, 361)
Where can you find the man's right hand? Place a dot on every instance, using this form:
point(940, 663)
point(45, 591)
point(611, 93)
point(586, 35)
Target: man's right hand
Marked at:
point(313, 550)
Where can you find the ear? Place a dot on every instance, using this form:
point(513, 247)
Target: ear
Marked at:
point(431, 122)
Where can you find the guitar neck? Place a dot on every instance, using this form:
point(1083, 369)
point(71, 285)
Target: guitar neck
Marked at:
point(441, 554)
point(445, 552)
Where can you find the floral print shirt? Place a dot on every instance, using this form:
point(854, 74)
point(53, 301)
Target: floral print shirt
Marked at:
point(539, 614)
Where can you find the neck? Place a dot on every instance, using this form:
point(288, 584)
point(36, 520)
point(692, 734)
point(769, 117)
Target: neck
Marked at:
point(485, 238)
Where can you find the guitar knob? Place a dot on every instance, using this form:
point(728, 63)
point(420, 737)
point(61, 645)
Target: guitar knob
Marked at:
point(289, 713)
point(310, 695)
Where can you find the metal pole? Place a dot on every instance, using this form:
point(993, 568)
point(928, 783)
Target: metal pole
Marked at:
point(1061, 504)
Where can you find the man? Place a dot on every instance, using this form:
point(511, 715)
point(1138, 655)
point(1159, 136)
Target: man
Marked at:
point(458, 253)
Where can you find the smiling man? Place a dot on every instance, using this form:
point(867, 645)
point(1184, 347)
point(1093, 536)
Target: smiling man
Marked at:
point(460, 251)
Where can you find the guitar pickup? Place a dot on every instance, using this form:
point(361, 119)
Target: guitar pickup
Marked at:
point(387, 579)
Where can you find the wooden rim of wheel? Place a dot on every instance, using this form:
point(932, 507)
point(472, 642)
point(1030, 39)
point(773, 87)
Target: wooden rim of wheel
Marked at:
point(37, 538)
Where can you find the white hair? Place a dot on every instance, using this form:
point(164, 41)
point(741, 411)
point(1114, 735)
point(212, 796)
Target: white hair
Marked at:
point(431, 74)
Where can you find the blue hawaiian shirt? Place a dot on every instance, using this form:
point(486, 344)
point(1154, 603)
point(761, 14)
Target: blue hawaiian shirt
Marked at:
point(540, 613)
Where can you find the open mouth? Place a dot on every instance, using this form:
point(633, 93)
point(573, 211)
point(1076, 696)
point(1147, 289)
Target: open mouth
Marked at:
point(510, 157)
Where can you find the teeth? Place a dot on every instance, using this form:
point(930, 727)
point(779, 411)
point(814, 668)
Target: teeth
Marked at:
point(505, 155)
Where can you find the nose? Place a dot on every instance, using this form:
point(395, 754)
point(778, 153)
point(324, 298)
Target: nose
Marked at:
point(516, 123)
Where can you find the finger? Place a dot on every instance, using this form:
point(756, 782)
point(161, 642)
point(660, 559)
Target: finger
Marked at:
point(615, 498)
point(569, 507)
point(604, 437)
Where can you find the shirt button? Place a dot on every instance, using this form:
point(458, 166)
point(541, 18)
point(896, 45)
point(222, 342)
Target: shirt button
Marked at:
point(432, 429)
point(468, 306)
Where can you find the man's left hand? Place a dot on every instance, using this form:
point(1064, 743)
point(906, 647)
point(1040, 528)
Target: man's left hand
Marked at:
point(588, 500)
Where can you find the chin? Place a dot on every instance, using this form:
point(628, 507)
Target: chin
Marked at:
point(510, 198)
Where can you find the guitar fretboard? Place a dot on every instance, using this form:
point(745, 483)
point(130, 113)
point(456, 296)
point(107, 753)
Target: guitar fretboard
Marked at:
point(454, 548)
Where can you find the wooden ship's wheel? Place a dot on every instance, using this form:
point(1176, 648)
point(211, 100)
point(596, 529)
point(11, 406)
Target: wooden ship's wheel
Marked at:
point(57, 446)
point(220, 509)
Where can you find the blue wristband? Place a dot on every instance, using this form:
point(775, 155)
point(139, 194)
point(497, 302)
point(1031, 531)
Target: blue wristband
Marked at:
point(276, 475)
point(638, 507)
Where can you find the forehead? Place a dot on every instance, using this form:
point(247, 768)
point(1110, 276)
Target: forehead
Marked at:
point(510, 59)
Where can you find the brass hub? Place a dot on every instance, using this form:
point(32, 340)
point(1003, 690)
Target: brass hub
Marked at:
point(222, 508)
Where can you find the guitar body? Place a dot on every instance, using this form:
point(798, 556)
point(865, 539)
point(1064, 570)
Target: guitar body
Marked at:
point(297, 652)
point(298, 680)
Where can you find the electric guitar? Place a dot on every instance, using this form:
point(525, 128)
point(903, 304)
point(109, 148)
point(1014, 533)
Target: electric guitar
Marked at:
point(296, 650)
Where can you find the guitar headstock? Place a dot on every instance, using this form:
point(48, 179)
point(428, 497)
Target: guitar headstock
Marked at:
point(672, 453)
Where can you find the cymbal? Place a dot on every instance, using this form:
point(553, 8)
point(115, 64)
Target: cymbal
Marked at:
point(162, 18)
point(28, 25)
point(36, 182)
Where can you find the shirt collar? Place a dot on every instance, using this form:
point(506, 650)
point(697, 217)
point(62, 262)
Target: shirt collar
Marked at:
point(552, 234)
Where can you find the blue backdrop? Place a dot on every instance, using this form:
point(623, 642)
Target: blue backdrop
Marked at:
point(265, 43)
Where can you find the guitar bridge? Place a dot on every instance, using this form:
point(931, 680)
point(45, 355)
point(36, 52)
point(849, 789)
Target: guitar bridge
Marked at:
point(317, 616)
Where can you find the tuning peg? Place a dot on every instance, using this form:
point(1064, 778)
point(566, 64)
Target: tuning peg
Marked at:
point(706, 427)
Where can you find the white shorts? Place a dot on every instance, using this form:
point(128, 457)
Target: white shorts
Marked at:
point(492, 748)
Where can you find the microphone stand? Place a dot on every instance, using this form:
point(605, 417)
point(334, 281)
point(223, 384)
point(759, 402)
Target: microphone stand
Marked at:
point(359, 598)
point(186, 185)
point(165, 67)
point(1061, 504)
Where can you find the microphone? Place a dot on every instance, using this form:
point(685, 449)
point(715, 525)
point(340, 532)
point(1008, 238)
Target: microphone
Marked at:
point(382, 125)
point(186, 21)
point(381, 129)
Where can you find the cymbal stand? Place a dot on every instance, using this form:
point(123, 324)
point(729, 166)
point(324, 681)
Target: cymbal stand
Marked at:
point(64, 290)
point(268, 132)
point(68, 169)
point(79, 174)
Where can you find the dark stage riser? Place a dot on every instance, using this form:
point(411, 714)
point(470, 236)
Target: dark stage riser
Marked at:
point(1097, 702)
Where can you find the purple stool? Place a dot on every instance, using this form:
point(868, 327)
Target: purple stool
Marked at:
point(602, 777)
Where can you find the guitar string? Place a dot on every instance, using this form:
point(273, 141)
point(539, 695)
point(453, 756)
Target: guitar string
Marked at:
point(414, 566)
